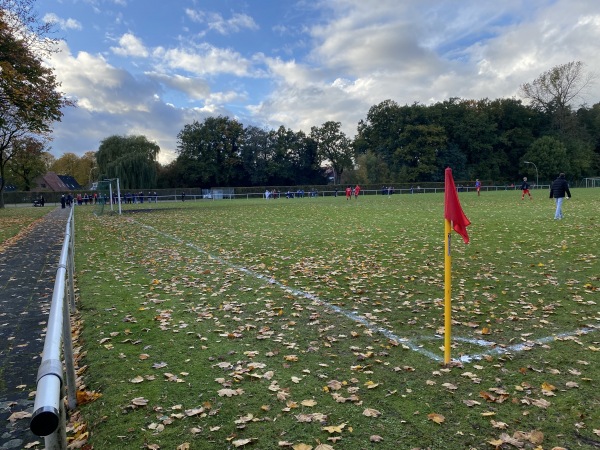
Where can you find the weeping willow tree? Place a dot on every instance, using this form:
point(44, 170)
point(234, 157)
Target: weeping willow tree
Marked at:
point(132, 159)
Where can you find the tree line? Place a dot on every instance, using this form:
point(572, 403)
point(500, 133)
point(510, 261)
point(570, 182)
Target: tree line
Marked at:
point(485, 139)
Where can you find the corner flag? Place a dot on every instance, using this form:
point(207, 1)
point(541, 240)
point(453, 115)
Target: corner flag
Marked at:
point(454, 214)
point(452, 209)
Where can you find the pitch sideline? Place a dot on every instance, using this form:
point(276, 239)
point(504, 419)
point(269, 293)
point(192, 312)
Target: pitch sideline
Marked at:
point(412, 345)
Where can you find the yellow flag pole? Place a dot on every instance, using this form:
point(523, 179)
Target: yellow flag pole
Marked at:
point(447, 291)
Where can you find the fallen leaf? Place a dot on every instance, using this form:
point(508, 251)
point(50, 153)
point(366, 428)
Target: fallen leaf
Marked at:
point(309, 402)
point(369, 412)
point(498, 424)
point(18, 416)
point(139, 401)
point(334, 428)
point(471, 403)
point(229, 392)
point(437, 418)
point(302, 447)
point(324, 447)
point(242, 442)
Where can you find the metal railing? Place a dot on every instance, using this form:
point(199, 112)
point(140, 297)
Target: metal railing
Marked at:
point(49, 415)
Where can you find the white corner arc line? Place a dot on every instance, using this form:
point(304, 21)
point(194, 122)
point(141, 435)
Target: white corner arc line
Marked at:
point(298, 293)
point(522, 346)
point(493, 348)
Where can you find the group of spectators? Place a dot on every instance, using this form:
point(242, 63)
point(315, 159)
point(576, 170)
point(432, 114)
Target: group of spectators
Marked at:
point(138, 197)
point(300, 193)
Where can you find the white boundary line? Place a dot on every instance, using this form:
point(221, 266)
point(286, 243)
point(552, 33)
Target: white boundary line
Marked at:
point(494, 348)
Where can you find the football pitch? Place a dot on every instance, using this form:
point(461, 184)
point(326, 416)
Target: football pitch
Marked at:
point(320, 322)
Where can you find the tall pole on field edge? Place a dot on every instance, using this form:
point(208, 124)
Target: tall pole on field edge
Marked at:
point(536, 172)
point(447, 291)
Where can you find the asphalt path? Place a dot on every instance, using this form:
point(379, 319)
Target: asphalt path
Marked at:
point(27, 273)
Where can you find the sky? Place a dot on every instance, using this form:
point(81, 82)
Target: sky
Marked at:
point(149, 67)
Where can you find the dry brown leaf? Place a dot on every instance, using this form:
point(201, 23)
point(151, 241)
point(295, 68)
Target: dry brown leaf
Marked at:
point(139, 401)
point(548, 387)
point(302, 447)
point(471, 403)
point(324, 447)
point(334, 428)
point(84, 397)
point(536, 437)
point(230, 392)
point(18, 416)
point(498, 424)
point(194, 411)
point(242, 442)
point(437, 418)
point(541, 403)
point(369, 412)
point(334, 385)
point(512, 441)
point(497, 443)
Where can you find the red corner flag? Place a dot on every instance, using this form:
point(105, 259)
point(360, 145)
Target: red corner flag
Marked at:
point(452, 209)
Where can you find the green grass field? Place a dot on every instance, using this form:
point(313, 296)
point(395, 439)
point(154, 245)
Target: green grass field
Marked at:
point(318, 323)
point(15, 220)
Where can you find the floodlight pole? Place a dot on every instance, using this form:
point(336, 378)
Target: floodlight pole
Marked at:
point(536, 173)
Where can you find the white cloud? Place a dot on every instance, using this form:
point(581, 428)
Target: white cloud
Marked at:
point(64, 24)
point(204, 59)
point(130, 45)
point(216, 22)
point(194, 88)
point(360, 52)
point(368, 51)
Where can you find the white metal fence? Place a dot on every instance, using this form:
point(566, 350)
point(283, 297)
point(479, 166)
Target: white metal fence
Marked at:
point(49, 415)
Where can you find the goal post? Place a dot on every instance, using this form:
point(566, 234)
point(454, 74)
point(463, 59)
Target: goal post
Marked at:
point(108, 196)
point(592, 182)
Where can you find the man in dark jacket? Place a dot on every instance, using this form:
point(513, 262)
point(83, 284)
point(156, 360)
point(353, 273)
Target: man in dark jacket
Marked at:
point(558, 190)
